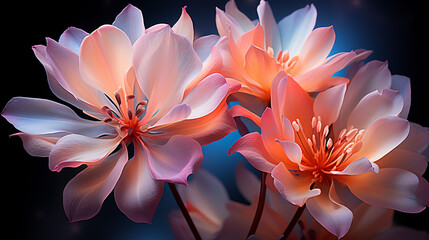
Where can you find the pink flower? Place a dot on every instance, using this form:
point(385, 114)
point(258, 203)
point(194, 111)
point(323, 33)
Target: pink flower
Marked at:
point(135, 85)
point(218, 217)
point(254, 55)
point(347, 143)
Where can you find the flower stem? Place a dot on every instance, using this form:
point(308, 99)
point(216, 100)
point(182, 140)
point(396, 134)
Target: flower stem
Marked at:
point(293, 222)
point(184, 211)
point(260, 208)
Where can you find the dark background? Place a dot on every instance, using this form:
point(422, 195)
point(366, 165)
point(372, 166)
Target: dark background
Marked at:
point(32, 195)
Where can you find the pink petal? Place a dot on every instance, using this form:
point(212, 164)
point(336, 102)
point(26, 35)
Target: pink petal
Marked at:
point(402, 84)
point(270, 133)
point(176, 160)
point(203, 45)
point(105, 56)
point(360, 166)
point(261, 67)
point(244, 22)
point(206, 96)
point(206, 193)
point(268, 23)
point(130, 20)
point(155, 52)
point(37, 145)
point(137, 194)
point(40, 116)
point(239, 111)
point(295, 189)
point(176, 114)
point(252, 148)
point(292, 150)
point(327, 104)
point(315, 49)
point(374, 106)
point(295, 28)
point(391, 188)
point(65, 69)
point(333, 216)
point(382, 137)
point(204, 130)
point(72, 38)
point(85, 193)
point(184, 26)
point(404, 159)
point(417, 140)
point(73, 150)
point(226, 24)
point(374, 75)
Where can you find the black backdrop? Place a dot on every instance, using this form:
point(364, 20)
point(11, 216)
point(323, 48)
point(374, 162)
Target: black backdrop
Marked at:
point(32, 195)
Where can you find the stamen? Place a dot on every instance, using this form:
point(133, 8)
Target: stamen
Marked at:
point(107, 120)
point(326, 131)
point(285, 56)
point(279, 56)
point(118, 98)
point(351, 134)
point(295, 126)
point(270, 51)
point(130, 97)
point(313, 122)
point(329, 143)
point(130, 114)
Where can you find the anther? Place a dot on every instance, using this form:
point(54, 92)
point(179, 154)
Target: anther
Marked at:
point(313, 122)
point(326, 131)
point(107, 120)
point(351, 134)
point(130, 114)
point(130, 97)
point(319, 126)
point(329, 143)
point(118, 98)
point(295, 126)
point(270, 51)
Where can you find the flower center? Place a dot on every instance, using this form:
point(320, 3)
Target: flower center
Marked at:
point(126, 117)
point(284, 60)
point(321, 154)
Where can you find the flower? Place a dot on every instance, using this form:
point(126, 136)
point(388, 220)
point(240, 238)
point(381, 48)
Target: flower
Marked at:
point(218, 217)
point(254, 55)
point(346, 145)
point(135, 85)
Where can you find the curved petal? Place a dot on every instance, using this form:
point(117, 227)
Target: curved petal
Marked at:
point(130, 21)
point(207, 194)
point(40, 116)
point(374, 106)
point(315, 49)
point(226, 25)
point(73, 150)
point(176, 114)
point(206, 96)
point(261, 67)
point(360, 166)
point(270, 133)
point(184, 26)
point(268, 23)
point(244, 22)
point(327, 104)
point(174, 161)
point(239, 111)
point(37, 145)
point(417, 140)
point(391, 188)
point(105, 56)
point(155, 52)
point(293, 187)
point(295, 28)
point(203, 45)
point(85, 193)
point(72, 38)
point(137, 194)
point(292, 150)
point(382, 137)
point(333, 216)
point(252, 148)
point(404, 159)
point(402, 84)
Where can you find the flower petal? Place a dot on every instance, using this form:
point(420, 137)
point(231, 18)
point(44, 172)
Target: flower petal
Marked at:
point(176, 114)
point(206, 193)
point(72, 38)
point(174, 161)
point(37, 145)
point(228, 25)
point(239, 111)
point(315, 49)
point(85, 193)
point(105, 56)
point(206, 96)
point(391, 188)
point(137, 194)
point(131, 22)
point(184, 26)
point(327, 104)
point(360, 166)
point(252, 148)
point(244, 22)
point(268, 23)
point(203, 45)
point(295, 28)
point(292, 150)
point(382, 137)
point(402, 84)
point(295, 189)
point(73, 150)
point(333, 216)
point(159, 50)
point(374, 106)
point(404, 159)
point(40, 116)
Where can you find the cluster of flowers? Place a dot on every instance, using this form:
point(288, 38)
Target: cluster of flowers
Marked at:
point(341, 146)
